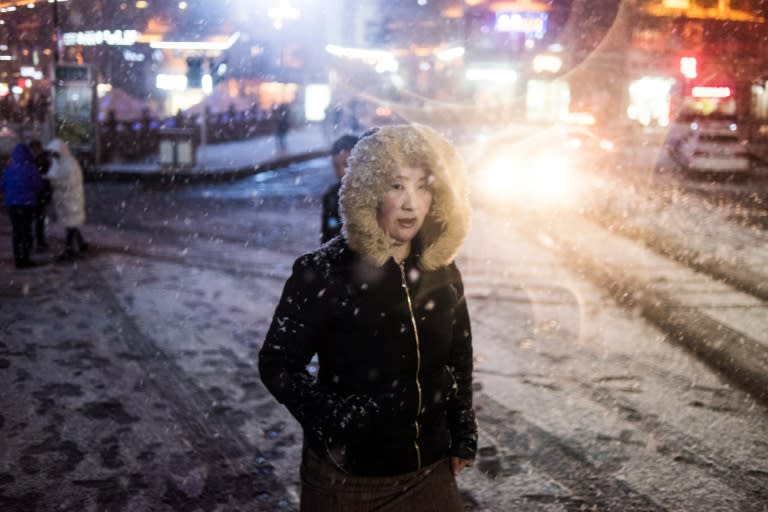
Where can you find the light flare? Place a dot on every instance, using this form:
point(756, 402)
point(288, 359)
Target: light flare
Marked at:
point(547, 182)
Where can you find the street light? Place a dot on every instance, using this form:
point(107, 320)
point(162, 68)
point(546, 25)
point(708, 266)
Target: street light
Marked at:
point(279, 15)
point(282, 13)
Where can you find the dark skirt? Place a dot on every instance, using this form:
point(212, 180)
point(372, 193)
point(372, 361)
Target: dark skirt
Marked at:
point(326, 488)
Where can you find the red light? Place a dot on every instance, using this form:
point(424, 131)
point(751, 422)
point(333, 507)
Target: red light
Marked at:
point(702, 91)
point(688, 67)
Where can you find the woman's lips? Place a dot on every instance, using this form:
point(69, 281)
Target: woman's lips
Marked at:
point(406, 223)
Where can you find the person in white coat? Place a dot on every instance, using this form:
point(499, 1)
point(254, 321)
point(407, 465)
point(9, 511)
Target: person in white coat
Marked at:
point(66, 177)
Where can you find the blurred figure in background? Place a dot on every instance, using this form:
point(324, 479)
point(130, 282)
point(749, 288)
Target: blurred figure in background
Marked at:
point(282, 124)
point(42, 161)
point(330, 219)
point(21, 185)
point(66, 178)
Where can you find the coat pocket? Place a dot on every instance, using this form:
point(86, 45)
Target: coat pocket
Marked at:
point(440, 390)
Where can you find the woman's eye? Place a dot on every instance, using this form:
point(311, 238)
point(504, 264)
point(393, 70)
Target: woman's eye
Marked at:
point(397, 186)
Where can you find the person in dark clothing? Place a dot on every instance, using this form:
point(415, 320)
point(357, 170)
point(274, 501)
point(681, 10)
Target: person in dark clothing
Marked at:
point(330, 220)
point(21, 184)
point(42, 161)
point(282, 124)
point(388, 419)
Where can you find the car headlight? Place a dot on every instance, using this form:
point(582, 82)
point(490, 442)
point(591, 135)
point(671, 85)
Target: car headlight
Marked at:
point(533, 182)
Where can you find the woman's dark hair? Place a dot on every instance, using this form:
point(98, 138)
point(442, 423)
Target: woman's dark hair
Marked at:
point(344, 143)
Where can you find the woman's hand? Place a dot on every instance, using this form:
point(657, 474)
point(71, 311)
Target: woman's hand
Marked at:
point(457, 464)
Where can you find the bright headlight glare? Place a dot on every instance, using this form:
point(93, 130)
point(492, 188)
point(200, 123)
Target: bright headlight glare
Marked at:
point(501, 178)
point(533, 183)
point(550, 180)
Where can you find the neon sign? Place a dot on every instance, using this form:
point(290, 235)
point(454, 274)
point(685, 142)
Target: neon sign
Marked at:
point(98, 37)
point(688, 67)
point(530, 23)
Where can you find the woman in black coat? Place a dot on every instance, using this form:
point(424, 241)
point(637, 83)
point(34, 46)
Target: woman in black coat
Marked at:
point(388, 419)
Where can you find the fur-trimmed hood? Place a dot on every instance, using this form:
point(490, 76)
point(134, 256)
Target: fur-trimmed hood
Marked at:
point(374, 159)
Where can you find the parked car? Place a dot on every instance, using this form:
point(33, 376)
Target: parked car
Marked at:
point(713, 150)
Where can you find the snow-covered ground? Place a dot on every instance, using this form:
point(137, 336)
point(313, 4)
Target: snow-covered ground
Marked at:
point(146, 363)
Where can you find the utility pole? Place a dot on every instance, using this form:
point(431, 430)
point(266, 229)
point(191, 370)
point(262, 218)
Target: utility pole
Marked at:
point(57, 33)
point(51, 122)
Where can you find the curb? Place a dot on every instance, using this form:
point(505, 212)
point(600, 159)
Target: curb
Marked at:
point(212, 175)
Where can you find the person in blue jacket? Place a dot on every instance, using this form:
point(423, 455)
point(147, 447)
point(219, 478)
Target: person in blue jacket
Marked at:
point(21, 184)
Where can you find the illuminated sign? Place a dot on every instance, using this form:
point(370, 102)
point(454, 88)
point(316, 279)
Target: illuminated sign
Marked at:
point(196, 45)
point(703, 91)
point(317, 98)
point(530, 23)
point(688, 67)
point(490, 74)
point(547, 63)
point(99, 37)
point(132, 56)
point(72, 73)
point(30, 72)
point(171, 82)
point(382, 60)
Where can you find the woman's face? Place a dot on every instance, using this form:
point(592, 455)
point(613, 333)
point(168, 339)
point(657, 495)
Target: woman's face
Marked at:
point(405, 204)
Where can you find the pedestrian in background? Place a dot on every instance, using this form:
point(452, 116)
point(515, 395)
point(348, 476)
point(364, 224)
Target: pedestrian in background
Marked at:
point(42, 161)
point(282, 125)
point(388, 418)
point(330, 218)
point(21, 184)
point(66, 178)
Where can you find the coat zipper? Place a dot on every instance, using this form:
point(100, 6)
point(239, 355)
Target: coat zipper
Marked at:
point(418, 363)
point(333, 459)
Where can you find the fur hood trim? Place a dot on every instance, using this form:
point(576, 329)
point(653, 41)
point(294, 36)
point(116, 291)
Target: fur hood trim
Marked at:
point(60, 147)
point(374, 159)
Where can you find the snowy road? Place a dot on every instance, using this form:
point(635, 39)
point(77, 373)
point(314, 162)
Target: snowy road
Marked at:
point(622, 405)
point(134, 384)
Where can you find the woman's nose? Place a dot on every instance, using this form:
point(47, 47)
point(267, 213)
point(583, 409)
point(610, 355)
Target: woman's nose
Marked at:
point(407, 200)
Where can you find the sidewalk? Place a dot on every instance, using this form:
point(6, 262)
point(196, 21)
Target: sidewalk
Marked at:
point(100, 397)
point(224, 161)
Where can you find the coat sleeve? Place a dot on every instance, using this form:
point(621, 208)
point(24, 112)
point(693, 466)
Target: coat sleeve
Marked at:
point(298, 326)
point(461, 414)
point(54, 173)
point(36, 180)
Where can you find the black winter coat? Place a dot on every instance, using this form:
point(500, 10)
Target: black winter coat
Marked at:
point(330, 218)
point(386, 400)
